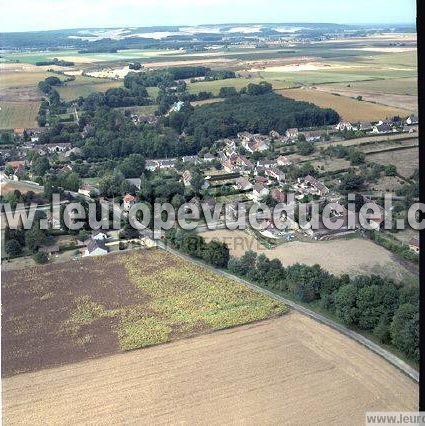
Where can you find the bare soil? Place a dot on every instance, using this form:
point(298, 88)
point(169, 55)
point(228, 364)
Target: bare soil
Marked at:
point(38, 300)
point(290, 370)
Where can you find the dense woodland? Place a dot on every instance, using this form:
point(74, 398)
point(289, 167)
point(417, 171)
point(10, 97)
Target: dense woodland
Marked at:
point(112, 134)
point(257, 113)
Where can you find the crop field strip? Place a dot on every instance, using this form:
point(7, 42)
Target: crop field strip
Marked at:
point(74, 90)
point(134, 300)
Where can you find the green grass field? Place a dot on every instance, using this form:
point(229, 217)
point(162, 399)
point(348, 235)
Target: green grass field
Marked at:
point(396, 86)
point(83, 86)
point(18, 114)
point(73, 55)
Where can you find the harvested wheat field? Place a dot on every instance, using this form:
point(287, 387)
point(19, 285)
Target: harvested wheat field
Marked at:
point(18, 114)
point(404, 102)
point(349, 109)
point(352, 256)
point(67, 312)
point(290, 370)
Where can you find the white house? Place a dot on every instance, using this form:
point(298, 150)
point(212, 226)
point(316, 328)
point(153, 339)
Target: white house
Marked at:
point(88, 189)
point(99, 235)
point(95, 248)
point(412, 120)
point(292, 133)
point(177, 106)
point(344, 126)
point(382, 128)
point(161, 164)
point(313, 136)
point(259, 192)
point(190, 159)
point(275, 173)
point(208, 157)
point(283, 161)
point(266, 163)
point(57, 147)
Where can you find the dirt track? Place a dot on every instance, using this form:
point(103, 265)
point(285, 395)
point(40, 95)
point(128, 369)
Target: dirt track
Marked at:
point(276, 371)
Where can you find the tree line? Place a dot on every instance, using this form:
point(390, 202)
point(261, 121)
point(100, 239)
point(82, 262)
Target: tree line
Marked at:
point(380, 306)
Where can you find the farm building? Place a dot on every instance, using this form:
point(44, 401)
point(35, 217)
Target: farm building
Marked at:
point(95, 248)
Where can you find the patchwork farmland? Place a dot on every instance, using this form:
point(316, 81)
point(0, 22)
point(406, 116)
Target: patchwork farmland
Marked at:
point(116, 303)
point(348, 108)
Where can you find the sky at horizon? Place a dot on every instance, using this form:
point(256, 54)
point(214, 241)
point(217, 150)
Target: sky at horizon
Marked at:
point(30, 15)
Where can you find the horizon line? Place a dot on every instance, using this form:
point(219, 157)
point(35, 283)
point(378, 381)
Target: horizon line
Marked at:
point(413, 23)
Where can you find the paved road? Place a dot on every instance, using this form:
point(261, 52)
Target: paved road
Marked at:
point(395, 361)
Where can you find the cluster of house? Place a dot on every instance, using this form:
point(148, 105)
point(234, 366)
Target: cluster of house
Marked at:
point(144, 119)
point(171, 163)
point(51, 148)
point(93, 246)
point(19, 169)
point(232, 161)
point(381, 127)
point(19, 166)
point(265, 174)
point(309, 186)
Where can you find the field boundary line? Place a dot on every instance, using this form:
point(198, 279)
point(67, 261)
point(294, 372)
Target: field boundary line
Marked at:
point(364, 341)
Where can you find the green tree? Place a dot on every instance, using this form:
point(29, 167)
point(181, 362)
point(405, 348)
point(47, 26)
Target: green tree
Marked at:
point(8, 170)
point(13, 248)
point(145, 191)
point(72, 182)
point(345, 304)
point(216, 253)
point(351, 182)
point(390, 170)
point(356, 157)
point(405, 330)
point(305, 148)
point(197, 181)
point(40, 166)
point(40, 257)
point(35, 238)
point(132, 166)
point(247, 262)
point(382, 330)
